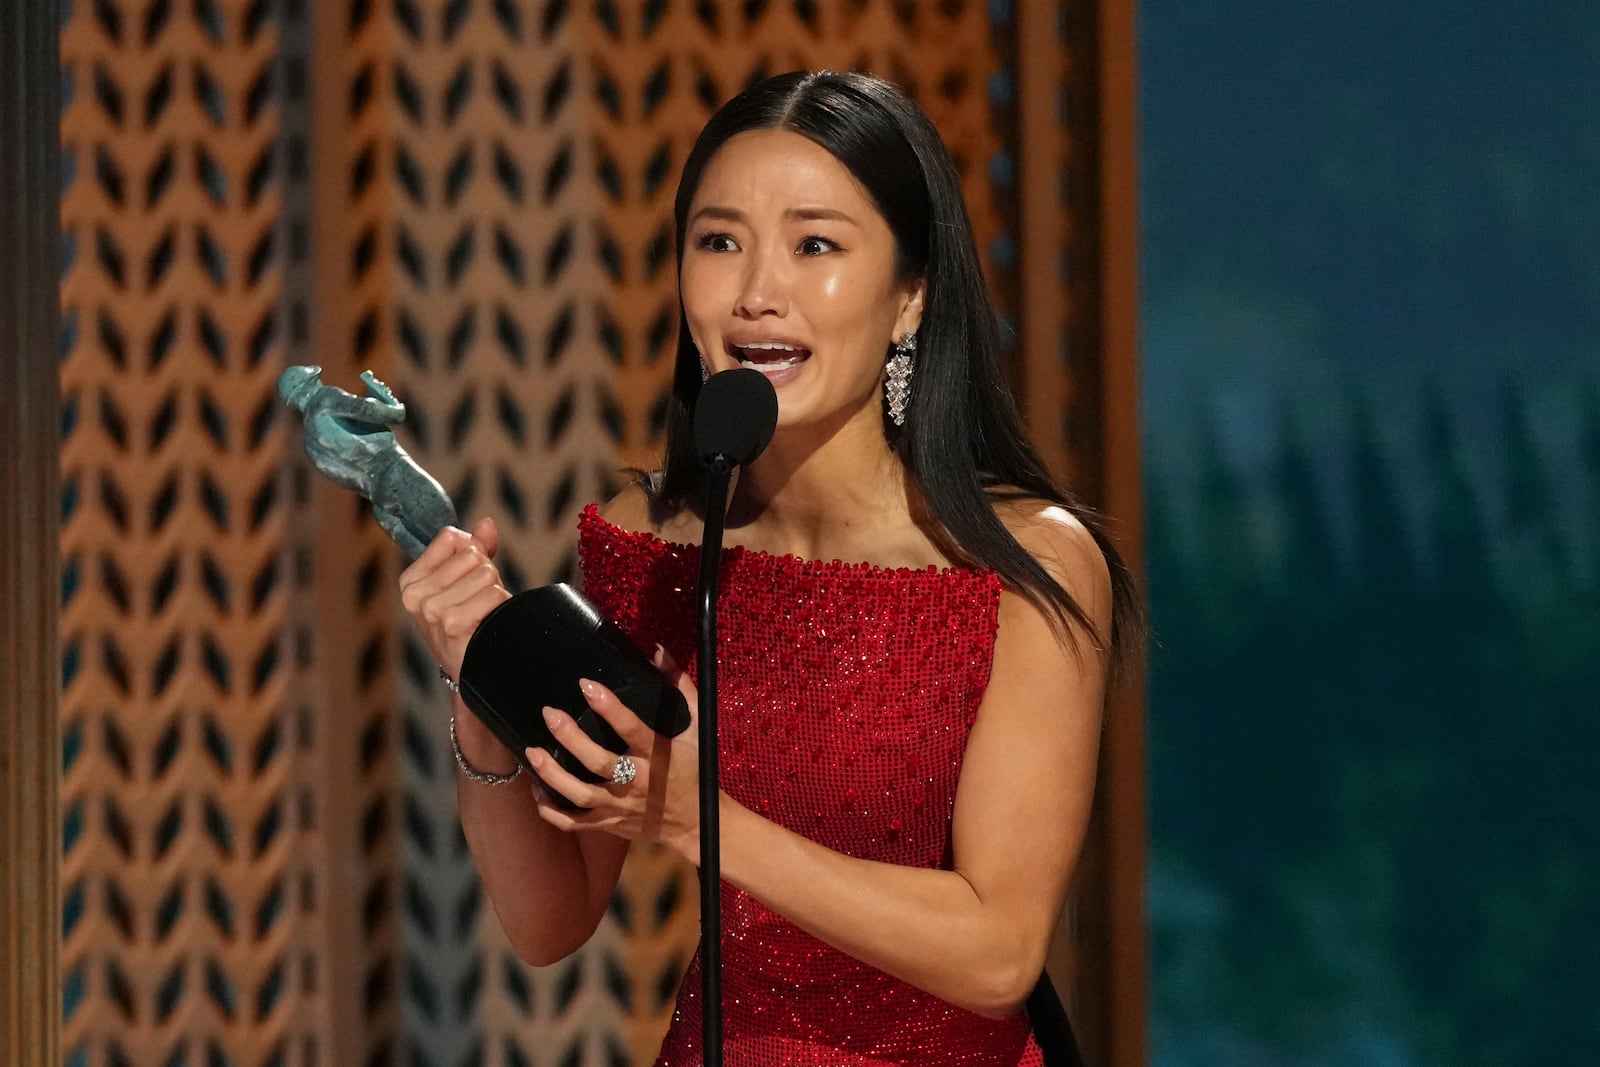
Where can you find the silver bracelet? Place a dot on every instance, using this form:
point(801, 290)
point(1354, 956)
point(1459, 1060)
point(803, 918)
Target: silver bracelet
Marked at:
point(449, 682)
point(472, 773)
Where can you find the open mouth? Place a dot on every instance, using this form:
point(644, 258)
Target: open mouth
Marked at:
point(769, 357)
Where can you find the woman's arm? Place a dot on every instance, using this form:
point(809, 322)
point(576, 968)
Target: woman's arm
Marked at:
point(975, 935)
point(549, 889)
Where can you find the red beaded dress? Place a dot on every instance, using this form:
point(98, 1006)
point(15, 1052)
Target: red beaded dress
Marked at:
point(846, 695)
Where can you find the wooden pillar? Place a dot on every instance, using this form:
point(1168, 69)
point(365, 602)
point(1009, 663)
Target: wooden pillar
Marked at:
point(1078, 318)
point(30, 750)
point(1123, 835)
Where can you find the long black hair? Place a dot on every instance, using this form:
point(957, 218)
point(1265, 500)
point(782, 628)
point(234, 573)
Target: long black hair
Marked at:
point(962, 441)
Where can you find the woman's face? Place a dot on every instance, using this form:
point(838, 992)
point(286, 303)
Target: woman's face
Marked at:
point(789, 268)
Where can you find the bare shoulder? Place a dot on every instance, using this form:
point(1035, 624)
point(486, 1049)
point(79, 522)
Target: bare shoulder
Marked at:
point(630, 510)
point(1065, 548)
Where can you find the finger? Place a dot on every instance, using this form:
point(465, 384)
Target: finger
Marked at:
point(454, 613)
point(665, 663)
point(452, 582)
point(597, 758)
point(426, 596)
point(618, 715)
point(458, 624)
point(550, 812)
point(557, 779)
point(678, 677)
point(571, 821)
point(452, 552)
point(486, 535)
point(469, 554)
point(457, 582)
point(445, 544)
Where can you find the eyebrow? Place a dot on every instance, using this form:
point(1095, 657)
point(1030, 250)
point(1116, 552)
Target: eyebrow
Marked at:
point(804, 214)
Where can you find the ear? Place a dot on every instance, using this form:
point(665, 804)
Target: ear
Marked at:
point(910, 317)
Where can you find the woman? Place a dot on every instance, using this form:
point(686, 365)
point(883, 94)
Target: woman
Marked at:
point(908, 738)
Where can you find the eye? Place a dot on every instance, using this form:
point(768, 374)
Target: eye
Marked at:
point(815, 246)
point(716, 242)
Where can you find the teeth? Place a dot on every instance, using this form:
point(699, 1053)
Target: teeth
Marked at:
point(770, 365)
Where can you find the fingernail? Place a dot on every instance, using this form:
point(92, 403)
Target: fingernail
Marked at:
point(552, 717)
point(589, 688)
point(535, 756)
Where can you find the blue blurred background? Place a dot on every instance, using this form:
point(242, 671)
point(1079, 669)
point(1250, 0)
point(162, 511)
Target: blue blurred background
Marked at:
point(1371, 313)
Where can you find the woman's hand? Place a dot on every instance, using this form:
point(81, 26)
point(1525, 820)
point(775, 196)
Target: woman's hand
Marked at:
point(661, 803)
point(451, 587)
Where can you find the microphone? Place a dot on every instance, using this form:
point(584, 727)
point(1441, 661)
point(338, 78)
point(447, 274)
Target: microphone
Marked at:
point(734, 417)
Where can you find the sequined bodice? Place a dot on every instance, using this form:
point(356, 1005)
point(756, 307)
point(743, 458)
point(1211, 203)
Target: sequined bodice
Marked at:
point(847, 692)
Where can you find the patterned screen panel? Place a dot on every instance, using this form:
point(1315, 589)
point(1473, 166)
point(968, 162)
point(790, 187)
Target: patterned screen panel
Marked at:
point(186, 808)
point(473, 199)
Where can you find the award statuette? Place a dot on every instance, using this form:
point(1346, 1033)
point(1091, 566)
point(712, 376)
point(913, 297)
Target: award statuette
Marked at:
point(531, 650)
point(349, 439)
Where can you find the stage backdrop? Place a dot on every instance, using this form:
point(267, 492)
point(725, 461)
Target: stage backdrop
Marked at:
point(261, 859)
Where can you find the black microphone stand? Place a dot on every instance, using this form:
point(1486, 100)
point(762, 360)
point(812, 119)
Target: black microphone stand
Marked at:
point(735, 416)
point(721, 469)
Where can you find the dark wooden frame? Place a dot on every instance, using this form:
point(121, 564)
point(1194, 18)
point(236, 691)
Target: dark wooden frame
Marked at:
point(1077, 136)
point(30, 749)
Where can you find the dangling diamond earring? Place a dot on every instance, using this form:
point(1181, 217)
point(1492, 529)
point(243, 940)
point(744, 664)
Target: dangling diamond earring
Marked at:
point(705, 372)
point(897, 382)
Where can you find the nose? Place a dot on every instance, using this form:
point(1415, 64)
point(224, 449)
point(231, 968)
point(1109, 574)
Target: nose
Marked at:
point(763, 290)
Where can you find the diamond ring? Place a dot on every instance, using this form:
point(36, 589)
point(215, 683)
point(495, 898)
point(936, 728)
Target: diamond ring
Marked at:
point(623, 771)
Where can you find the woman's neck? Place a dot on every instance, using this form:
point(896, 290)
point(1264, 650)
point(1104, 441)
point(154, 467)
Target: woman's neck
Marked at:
point(815, 494)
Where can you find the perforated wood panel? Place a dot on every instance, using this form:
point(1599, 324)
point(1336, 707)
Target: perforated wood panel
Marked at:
point(457, 260)
point(185, 807)
point(473, 199)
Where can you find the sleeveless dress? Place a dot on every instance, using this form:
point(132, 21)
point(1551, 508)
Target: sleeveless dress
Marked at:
point(847, 692)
